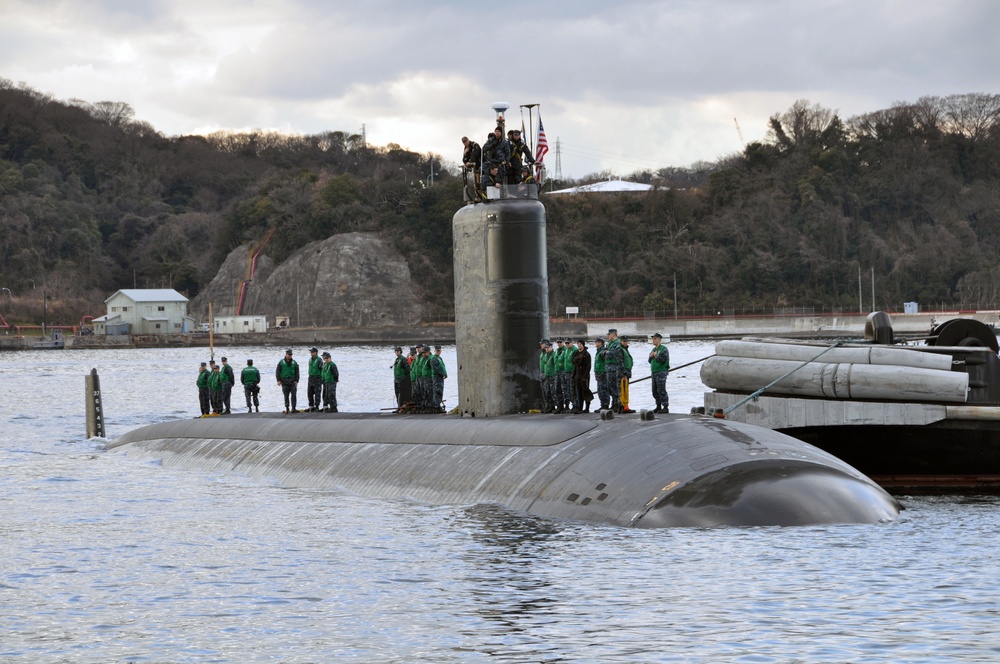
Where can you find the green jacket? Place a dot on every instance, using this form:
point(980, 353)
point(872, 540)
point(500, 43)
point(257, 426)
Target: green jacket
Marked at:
point(599, 361)
point(400, 367)
point(287, 371)
point(548, 364)
point(215, 380)
point(567, 359)
point(627, 359)
point(329, 372)
point(227, 373)
point(203, 376)
point(315, 366)
point(416, 369)
point(613, 353)
point(437, 366)
point(425, 370)
point(659, 360)
point(250, 376)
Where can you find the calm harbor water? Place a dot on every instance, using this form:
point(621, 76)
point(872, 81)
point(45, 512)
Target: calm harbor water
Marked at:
point(109, 559)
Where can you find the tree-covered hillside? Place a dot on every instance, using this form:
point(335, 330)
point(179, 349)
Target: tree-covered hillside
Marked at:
point(92, 200)
point(911, 193)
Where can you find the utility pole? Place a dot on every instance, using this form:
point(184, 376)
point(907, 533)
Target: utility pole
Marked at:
point(558, 159)
point(675, 296)
point(861, 304)
point(873, 289)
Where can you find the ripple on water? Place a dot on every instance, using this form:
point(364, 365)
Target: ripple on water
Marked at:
point(112, 559)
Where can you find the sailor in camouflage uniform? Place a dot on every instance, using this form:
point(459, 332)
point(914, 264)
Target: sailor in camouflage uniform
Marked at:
point(614, 359)
point(659, 365)
point(600, 373)
point(438, 374)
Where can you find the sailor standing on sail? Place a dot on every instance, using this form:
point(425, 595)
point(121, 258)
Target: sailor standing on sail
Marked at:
point(519, 153)
point(472, 157)
point(496, 150)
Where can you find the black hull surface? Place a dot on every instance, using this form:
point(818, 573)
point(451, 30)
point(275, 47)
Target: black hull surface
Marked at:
point(670, 471)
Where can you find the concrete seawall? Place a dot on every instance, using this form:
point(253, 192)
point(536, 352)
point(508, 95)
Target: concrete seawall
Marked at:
point(716, 327)
point(812, 327)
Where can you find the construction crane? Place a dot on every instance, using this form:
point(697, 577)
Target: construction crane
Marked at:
point(739, 132)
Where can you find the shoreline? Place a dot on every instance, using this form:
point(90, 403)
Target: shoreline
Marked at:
point(708, 328)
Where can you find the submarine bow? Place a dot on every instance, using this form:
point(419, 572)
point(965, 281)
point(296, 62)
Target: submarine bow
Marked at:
point(675, 470)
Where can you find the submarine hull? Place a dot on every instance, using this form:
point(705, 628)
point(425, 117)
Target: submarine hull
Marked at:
point(674, 470)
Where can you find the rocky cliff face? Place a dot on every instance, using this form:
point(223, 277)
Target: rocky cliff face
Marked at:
point(351, 280)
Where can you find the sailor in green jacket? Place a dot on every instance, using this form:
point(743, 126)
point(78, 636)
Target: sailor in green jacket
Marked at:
point(250, 377)
point(228, 380)
point(314, 391)
point(557, 391)
point(330, 376)
point(541, 371)
point(566, 399)
point(401, 379)
point(424, 377)
point(204, 394)
point(438, 374)
point(287, 375)
point(626, 376)
point(215, 389)
point(614, 358)
point(415, 370)
point(548, 367)
point(659, 365)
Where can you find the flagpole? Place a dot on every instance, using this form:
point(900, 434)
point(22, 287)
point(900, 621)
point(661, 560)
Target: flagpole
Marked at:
point(531, 129)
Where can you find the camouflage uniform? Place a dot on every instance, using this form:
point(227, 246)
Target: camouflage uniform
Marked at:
point(614, 359)
point(600, 373)
point(659, 365)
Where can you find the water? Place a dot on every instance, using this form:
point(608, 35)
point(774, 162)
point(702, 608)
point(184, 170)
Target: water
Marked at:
point(109, 559)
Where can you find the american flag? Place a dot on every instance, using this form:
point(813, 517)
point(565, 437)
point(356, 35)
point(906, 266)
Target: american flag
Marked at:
point(542, 145)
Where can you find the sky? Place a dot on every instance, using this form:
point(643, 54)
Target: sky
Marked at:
point(622, 85)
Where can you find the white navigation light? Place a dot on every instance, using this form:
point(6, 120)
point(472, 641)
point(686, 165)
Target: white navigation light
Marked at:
point(500, 107)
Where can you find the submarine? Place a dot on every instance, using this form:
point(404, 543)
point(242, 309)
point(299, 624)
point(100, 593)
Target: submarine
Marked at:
point(644, 470)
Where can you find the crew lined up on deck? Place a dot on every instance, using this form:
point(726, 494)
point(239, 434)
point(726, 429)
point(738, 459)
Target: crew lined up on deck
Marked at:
point(565, 374)
point(418, 378)
point(215, 384)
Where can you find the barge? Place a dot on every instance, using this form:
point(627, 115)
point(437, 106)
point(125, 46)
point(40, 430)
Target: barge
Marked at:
point(918, 415)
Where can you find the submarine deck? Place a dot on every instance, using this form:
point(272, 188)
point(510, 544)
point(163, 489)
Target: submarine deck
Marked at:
point(507, 431)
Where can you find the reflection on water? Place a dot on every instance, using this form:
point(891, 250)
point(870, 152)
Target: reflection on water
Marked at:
point(111, 559)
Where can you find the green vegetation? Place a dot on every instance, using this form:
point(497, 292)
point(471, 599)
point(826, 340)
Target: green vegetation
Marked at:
point(912, 192)
point(92, 200)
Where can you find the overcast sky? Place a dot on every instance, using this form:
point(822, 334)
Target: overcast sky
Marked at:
point(623, 84)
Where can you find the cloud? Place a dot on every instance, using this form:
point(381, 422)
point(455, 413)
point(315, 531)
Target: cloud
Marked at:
point(624, 85)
